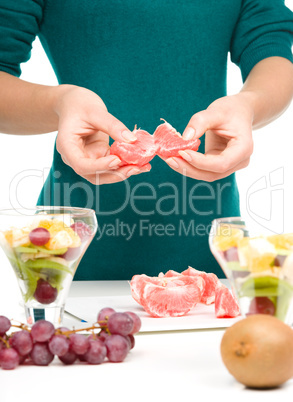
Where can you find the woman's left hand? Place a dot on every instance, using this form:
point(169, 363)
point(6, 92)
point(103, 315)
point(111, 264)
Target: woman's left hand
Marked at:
point(227, 123)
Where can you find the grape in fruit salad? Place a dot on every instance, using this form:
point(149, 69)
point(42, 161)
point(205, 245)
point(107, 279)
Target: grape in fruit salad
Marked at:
point(260, 269)
point(44, 257)
point(42, 342)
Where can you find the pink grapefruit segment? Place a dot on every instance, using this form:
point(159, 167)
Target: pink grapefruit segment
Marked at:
point(171, 273)
point(165, 142)
point(173, 297)
point(226, 305)
point(174, 294)
point(137, 153)
point(211, 280)
point(138, 282)
point(168, 141)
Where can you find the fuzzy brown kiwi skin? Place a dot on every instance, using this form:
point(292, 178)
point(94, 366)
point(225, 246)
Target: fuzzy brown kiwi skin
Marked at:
point(258, 351)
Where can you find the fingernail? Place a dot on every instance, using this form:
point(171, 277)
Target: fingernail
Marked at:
point(188, 134)
point(132, 171)
point(128, 136)
point(185, 156)
point(171, 162)
point(114, 162)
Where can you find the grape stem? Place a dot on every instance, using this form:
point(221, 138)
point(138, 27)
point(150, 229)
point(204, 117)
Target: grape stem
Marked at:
point(101, 325)
point(21, 326)
point(5, 342)
point(98, 325)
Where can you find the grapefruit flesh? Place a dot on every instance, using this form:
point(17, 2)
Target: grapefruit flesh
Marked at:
point(226, 305)
point(137, 153)
point(211, 280)
point(172, 297)
point(138, 282)
point(171, 273)
point(168, 141)
point(165, 142)
point(174, 294)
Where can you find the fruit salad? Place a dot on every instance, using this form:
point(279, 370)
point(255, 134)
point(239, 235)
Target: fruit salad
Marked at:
point(259, 268)
point(44, 256)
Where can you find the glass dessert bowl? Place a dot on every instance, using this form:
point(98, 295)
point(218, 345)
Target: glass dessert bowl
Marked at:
point(44, 247)
point(258, 267)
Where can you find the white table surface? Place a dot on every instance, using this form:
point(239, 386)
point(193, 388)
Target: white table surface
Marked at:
point(169, 366)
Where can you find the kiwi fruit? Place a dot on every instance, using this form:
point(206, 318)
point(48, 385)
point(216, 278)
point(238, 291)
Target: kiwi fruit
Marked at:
point(258, 351)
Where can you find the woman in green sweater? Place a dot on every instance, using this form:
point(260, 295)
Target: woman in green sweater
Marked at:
point(121, 63)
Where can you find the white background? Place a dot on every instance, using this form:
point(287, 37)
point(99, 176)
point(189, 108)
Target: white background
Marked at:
point(265, 186)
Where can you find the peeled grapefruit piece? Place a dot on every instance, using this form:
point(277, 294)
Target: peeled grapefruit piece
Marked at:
point(211, 280)
point(139, 152)
point(226, 305)
point(170, 273)
point(138, 282)
point(169, 141)
point(173, 296)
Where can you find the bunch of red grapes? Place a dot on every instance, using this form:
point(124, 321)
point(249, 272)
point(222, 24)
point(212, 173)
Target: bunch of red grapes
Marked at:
point(42, 342)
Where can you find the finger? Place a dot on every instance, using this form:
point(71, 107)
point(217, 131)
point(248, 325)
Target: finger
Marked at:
point(186, 169)
point(64, 160)
point(219, 161)
point(83, 165)
point(113, 162)
point(119, 175)
point(97, 149)
point(201, 122)
point(98, 136)
point(107, 123)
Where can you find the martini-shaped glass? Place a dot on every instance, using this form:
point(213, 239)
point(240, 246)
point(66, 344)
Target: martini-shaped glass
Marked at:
point(259, 267)
point(44, 246)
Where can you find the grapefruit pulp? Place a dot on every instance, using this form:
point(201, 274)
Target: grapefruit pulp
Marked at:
point(139, 152)
point(211, 280)
point(169, 273)
point(173, 297)
point(163, 296)
point(168, 141)
point(226, 305)
point(137, 283)
point(174, 294)
point(165, 142)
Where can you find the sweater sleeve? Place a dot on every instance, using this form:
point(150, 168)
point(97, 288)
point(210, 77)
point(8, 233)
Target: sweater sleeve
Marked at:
point(264, 29)
point(19, 25)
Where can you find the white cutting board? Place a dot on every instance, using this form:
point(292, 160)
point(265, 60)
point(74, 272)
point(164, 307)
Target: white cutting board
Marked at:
point(200, 317)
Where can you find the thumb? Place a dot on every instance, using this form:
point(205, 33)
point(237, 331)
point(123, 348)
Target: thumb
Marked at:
point(107, 123)
point(200, 123)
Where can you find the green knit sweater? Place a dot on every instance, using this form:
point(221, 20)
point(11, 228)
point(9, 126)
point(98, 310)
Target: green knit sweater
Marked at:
point(147, 60)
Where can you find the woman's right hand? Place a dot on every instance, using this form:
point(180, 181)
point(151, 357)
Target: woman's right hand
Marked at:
point(84, 129)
